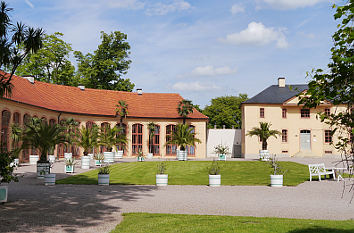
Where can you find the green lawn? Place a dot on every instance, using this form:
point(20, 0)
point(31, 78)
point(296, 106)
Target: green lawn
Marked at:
point(144, 222)
point(195, 173)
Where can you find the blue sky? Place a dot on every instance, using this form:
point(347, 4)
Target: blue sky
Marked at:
point(199, 48)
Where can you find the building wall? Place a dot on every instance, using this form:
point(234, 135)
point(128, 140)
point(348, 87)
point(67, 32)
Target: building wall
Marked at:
point(226, 137)
point(200, 125)
point(293, 123)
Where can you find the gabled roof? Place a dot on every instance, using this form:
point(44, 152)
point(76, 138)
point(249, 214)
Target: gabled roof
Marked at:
point(69, 99)
point(277, 95)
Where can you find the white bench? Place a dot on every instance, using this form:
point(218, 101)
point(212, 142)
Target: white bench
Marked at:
point(320, 170)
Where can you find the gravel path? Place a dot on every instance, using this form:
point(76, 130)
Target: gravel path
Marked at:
point(32, 207)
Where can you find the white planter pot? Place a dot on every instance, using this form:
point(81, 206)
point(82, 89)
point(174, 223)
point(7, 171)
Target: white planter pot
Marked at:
point(85, 162)
point(15, 163)
point(68, 156)
point(264, 155)
point(52, 158)
point(33, 159)
point(141, 159)
point(98, 163)
point(222, 157)
point(43, 168)
point(3, 193)
point(276, 180)
point(214, 180)
point(69, 168)
point(91, 156)
point(182, 155)
point(108, 157)
point(103, 179)
point(161, 179)
point(49, 179)
point(118, 154)
point(149, 156)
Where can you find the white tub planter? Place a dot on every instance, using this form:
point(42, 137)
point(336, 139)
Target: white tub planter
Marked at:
point(118, 154)
point(108, 157)
point(68, 156)
point(149, 156)
point(85, 162)
point(214, 180)
point(182, 155)
point(276, 180)
point(52, 158)
point(161, 179)
point(222, 157)
point(43, 168)
point(91, 156)
point(69, 168)
point(264, 155)
point(98, 163)
point(141, 159)
point(15, 163)
point(3, 193)
point(49, 179)
point(103, 179)
point(33, 159)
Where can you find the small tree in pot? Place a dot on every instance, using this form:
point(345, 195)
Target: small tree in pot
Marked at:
point(110, 137)
point(103, 175)
point(214, 174)
point(263, 132)
point(161, 177)
point(276, 178)
point(222, 151)
point(86, 138)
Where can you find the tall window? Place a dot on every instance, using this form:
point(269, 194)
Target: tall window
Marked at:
point(16, 118)
point(154, 141)
point(124, 132)
point(305, 113)
point(89, 125)
point(5, 130)
point(26, 151)
point(137, 138)
point(284, 135)
point(327, 111)
point(261, 112)
point(170, 149)
point(191, 149)
point(61, 148)
point(52, 122)
point(104, 126)
point(283, 113)
point(328, 136)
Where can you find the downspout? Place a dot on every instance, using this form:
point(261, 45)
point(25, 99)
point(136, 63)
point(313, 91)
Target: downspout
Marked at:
point(59, 117)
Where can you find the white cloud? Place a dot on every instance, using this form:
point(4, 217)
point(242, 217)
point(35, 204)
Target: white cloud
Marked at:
point(194, 86)
point(212, 71)
point(292, 4)
point(128, 4)
point(258, 34)
point(162, 8)
point(237, 8)
point(29, 3)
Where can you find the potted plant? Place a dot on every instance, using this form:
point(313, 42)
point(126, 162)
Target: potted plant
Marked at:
point(141, 157)
point(222, 151)
point(122, 112)
point(70, 127)
point(86, 138)
point(70, 165)
point(98, 159)
point(214, 174)
point(183, 136)
point(108, 137)
point(276, 178)
point(49, 179)
point(103, 176)
point(121, 142)
point(16, 134)
point(152, 128)
point(6, 174)
point(39, 134)
point(161, 177)
point(263, 132)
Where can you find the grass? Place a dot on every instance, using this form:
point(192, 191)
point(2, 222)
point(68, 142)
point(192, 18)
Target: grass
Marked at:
point(144, 222)
point(194, 173)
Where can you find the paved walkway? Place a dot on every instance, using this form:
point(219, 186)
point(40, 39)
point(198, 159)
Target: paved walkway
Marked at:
point(33, 207)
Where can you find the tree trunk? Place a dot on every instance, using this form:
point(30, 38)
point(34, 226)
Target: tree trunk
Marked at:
point(184, 120)
point(264, 145)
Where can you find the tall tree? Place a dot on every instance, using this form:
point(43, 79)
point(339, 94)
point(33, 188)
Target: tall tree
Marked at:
point(16, 42)
point(51, 63)
point(185, 107)
point(104, 68)
point(122, 111)
point(263, 132)
point(225, 110)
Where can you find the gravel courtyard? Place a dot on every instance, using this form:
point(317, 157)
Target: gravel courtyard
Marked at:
point(33, 207)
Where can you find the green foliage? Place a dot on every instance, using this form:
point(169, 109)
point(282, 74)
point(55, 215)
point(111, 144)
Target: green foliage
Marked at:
point(51, 63)
point(104, 170)
point(110, 137)
point(104, 68)
point(16, 42)
point(275, 165)
point(183, 136)
point(337, 85)
point(225, 110)
point(214, 168)
point(161, 168)
point(70, 162)
point(222, 150)
point(185, 107)
point(70, 127)
point(87, 138)
point(6, 171)
point(263, 132)
point(16, 134)
point(99, 157)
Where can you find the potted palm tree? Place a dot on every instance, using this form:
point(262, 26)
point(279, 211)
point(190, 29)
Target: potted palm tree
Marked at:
point(161, 177)
point(86, 138)
point(121, 142)
point(122, 112)
point(214, 174)
point(222, 151)
point(185, 107)
point(183, 136)
point(70, 126)
point(103, 176)
point(108, 138)
point(6, 173)
point(39, 134)
point(70, 165)
point(263, 132)
point(16, 133)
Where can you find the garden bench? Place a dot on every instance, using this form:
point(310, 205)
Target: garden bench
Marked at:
point(320, 170)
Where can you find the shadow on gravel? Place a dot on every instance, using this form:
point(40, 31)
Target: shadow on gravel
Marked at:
point(33, 207)
point(321, 230)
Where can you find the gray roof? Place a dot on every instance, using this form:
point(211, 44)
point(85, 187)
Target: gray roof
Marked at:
point(277, 95)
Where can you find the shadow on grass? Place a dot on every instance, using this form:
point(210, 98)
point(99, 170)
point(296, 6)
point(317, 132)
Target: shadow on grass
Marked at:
point(321, 230)
point(33, 207)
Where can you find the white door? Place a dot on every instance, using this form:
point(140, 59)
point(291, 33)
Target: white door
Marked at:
point(305, 140)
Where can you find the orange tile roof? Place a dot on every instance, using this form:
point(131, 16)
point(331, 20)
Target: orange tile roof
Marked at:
point(70, 99)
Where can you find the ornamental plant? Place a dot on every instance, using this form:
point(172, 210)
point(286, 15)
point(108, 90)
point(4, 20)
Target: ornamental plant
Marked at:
point(161, 168)
point(263, 132)
point(104, 170)
point(214, 169)
point(222, 150)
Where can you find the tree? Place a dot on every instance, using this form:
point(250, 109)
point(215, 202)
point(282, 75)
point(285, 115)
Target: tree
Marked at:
point(185, 107)
point(337, 84)
point(225, 110)
point(16, 42)
point(122, 111)
point(110, 137)
point(87, 138)
point(104, 68)
point(183, 136)
point(263, 132)
point(51, 63)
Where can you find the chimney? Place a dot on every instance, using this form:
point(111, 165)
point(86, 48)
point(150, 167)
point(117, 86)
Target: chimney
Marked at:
point(81, 87)
point(139, 91)
point(281, 82)
point(29, 78)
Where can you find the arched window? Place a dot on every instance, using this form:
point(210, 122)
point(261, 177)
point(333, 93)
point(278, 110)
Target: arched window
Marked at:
point(61, 148)
point(52, 122)
point(44, 119)
point(104, 126)
point(154, 141)
point(191, 149)
point(5, 130)
point(16, 118)
point(26, 152)
point(170, 149)
point(122, 131)
point(137, 138)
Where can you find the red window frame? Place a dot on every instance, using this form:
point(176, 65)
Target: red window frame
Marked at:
point(328, 136)
point(16, 118)
point(52, 122)
point(120, 146)
point(305, 113)
point(154, 143)
point(261, 112)
point(137, 138)
point(170, 149)
point(284, 112)
point(5, 130)
point(327, 111)
point(284, 135)
point(104, 125)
